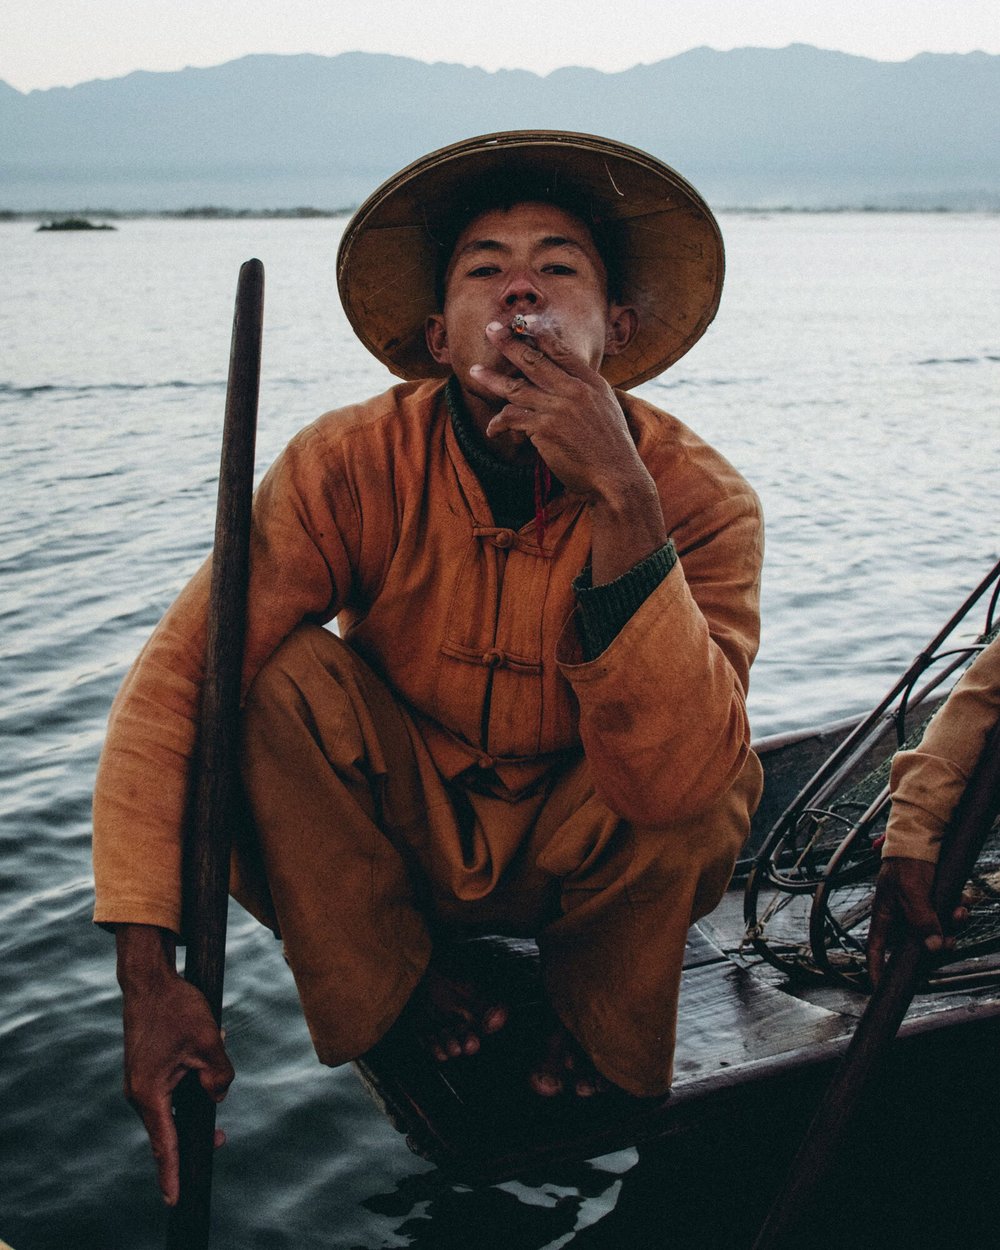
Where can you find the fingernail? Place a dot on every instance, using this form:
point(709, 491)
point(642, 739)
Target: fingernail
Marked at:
point(475, 368)
point(494, 326)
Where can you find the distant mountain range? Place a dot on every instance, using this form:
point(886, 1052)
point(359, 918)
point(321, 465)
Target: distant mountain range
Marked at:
point(792, 127)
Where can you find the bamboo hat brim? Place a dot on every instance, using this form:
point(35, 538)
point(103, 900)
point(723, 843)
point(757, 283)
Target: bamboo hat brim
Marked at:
point(670, 246)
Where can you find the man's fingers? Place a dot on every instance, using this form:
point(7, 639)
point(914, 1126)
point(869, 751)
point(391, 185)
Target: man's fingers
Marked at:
point(923, 921)
point(875, 959)
point(903, 905)
point(162, 1131)
point(506, 387)
point(215, 1072)
point(542, 355)
point(215, 1082)
point(878, 931)
point(959, 919)
point(542, 332)
point(158, 1118)
point(515, 420)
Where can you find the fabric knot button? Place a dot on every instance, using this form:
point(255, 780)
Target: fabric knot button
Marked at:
point(504, 539)
point(492, 658)
point(484, 762)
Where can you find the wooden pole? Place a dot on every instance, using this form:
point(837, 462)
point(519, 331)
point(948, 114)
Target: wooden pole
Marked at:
point(881, 1019)
point(217, 785)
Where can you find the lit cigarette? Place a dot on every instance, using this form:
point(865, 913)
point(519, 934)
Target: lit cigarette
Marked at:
point(530, 325)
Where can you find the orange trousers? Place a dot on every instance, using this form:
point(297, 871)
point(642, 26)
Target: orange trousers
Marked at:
point(361, 851)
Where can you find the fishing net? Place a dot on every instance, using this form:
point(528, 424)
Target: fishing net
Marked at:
point(809, 892)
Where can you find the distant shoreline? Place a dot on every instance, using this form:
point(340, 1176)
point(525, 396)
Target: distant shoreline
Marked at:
point(211, 213)
point(206, 213)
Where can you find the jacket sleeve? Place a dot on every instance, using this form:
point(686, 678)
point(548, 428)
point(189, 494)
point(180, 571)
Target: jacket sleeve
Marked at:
point(927, 783)
point(663, 716)
point(300, 568)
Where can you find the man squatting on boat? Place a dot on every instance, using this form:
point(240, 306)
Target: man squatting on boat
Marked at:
point(926, 785)
point(534, 719)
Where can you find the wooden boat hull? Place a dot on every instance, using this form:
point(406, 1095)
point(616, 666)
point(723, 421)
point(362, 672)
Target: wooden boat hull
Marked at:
point(747, 1038)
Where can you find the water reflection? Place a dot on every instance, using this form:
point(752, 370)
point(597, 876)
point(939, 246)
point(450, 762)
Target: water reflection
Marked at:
point(536, 1212)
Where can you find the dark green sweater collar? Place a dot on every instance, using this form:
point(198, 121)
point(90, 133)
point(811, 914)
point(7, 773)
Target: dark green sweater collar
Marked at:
point(509, 488)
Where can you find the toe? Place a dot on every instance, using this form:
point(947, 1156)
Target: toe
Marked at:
point(565, 1065)
point(546, 1082)
point(493, 1019)
point(456, 1019)
point(547, 1075)
point(589, 1086)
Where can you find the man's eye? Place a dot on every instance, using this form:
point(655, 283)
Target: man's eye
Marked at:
point(560, 270)
point(484, 271)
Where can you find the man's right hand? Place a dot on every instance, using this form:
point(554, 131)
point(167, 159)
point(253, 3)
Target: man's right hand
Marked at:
point(169, 1031)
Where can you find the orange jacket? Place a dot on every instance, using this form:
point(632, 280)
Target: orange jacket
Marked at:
point(928, 781)
point(372, 515)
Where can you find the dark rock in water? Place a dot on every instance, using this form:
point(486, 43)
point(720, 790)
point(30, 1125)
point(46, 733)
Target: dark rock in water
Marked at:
point(74, 223)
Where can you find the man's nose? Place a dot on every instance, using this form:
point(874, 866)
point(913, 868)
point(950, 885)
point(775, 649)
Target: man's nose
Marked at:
point(521, 289)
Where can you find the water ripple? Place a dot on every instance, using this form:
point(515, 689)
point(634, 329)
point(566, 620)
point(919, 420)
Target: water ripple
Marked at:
point(9, 390)
point(960, 360)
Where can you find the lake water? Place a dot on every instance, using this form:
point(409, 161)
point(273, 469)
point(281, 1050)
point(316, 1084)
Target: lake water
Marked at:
point(851, 375)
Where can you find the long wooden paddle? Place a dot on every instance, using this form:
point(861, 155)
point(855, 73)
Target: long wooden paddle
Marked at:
point(881, 1019)
point(216, 788)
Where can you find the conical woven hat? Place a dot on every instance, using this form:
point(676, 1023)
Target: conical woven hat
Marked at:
point(669, 244)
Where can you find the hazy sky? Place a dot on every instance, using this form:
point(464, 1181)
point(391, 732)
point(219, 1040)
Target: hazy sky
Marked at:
point(45, 43)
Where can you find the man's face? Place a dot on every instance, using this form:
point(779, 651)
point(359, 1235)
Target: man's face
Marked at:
point(531, 258)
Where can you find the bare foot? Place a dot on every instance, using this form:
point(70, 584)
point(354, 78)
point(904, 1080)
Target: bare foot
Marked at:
point(565, 1065)
point(455, 1017)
